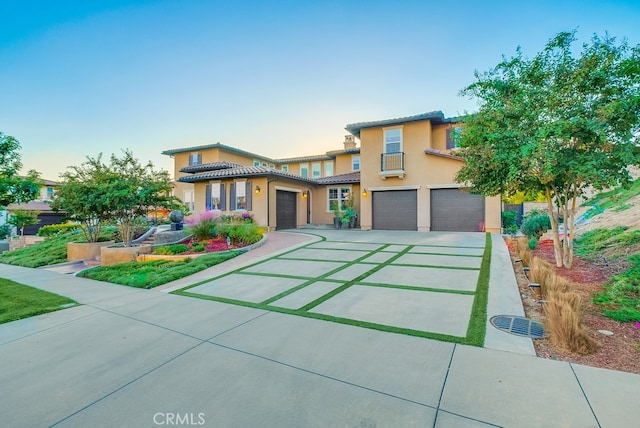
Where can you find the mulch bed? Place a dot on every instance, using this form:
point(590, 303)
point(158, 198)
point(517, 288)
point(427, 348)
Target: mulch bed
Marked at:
point(618, 351)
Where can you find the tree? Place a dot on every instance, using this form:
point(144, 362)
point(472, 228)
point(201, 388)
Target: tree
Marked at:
point(22, 218)
point(556, 124)
point(13, 188)
point(96, 193)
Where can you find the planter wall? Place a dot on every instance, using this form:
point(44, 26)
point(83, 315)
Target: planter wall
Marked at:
point(85, 250)
point(114, 255)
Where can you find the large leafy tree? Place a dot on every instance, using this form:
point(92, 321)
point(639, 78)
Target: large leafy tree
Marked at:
point(15, 188)
point(557, 123)
point(96, 193)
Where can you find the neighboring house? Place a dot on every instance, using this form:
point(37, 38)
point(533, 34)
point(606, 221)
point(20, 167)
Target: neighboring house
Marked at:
point(401, 178)
point(42, 206)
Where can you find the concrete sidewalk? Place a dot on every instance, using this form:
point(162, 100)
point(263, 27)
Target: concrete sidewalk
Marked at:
point(130, 357)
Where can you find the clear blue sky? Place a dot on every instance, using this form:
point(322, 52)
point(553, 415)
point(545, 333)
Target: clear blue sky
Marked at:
point(278, 78)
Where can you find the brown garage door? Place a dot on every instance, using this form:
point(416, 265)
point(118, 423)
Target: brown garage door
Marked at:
point(285, 210)
point(395, 210)
point(456, 210)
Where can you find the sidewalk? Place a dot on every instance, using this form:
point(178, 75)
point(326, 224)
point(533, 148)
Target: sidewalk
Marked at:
point(131, 357)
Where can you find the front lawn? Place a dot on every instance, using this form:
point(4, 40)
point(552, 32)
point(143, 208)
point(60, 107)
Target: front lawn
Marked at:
point(19, 301)
point(156, 272)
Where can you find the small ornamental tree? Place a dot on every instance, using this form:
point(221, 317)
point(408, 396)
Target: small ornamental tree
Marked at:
point(556, 124)
point(121, 191)
point(22, 218)
point(14, 188)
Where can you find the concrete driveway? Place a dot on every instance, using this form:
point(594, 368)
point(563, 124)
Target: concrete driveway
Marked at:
point(129, 357)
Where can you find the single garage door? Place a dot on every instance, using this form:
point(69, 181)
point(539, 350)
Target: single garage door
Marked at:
point(285, 210)
point(395, 210)
point(456, 210)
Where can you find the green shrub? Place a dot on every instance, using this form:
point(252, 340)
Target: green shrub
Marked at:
point(621, 296)
point(198, 247)
point(5, 230)
point(56, 229)
point(533, 243)
point(171, 249)
point(535, 225)
point(509, 222)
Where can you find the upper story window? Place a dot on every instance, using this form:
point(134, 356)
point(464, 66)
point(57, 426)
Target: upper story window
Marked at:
point(304, 170)
point(256, 162)
point(195, 159)
point(452, 137)
point(285, 168)
point(393, 140)
point(328, 169)
point(355, 162)
point(316, 170)
point(49, 192)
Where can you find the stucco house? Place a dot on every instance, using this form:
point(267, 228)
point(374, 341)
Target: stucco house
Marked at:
point(401, 177)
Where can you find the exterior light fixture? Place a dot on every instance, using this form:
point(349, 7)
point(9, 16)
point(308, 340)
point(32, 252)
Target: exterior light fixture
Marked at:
point(257, 190)
point(364, 192)
point(305, 194)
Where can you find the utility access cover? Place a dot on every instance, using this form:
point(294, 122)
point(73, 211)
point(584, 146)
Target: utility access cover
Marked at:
point(520, 326)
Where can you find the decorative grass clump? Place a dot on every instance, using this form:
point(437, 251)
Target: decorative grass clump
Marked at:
point(563, 321)
point(524, 252)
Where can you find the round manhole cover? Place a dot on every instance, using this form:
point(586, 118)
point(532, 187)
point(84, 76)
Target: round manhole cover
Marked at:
point(520, 326)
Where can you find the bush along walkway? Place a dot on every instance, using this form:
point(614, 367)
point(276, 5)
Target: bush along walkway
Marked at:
point(432, 291)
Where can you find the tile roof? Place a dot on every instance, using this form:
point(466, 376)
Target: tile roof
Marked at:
point(172, 152)
point(442, 154)
point(31, 206)
point(436, 117)
point(210, 166)
point(243, 171)
point(352, 177)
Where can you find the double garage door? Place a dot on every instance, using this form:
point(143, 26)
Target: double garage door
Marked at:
point(451, 210)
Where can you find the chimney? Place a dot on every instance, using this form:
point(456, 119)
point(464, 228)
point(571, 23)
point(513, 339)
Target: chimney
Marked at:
point(349, 142)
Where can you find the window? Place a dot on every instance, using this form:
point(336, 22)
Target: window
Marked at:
point(336, 197)
point(256, 162)
point(240, 195)
point(49, 192)
point(285, 168)
point(264, 164)
point(272, 166)
point(195, 159)
point(453, 134)
point(215, 197)
point(328, 169)
point(187, 197)
point(316, 170)
point(393, 140)
point(355, 162)
point(304, 170)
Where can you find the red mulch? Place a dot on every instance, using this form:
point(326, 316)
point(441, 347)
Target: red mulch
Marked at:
point(619, 351)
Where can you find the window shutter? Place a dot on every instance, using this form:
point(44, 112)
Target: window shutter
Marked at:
point(232, 196)
point(450, 142)
point(248, 195)
point(223, 198)
point(208, 205)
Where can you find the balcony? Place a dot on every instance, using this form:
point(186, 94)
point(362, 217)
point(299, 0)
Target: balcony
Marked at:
point(392, 165)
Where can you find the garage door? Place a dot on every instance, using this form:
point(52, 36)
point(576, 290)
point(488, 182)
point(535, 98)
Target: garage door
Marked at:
point(395, 210)
point(456, 210)
point(285, 210)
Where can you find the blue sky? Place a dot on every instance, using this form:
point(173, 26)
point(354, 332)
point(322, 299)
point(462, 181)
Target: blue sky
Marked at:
point(282, 79)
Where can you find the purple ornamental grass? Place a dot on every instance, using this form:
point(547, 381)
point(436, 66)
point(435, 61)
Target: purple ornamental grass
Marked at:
point(205, 216)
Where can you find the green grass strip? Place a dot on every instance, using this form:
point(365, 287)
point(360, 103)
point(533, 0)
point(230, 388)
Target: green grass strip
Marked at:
point(416, 288)
point(445, 254)
point(18, 301)
point(478, 321)
point(435, 266)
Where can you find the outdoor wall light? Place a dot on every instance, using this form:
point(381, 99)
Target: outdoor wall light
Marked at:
point(305, 194)
point(364, 192)
point(257, 190)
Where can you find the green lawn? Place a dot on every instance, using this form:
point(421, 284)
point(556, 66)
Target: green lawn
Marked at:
point(19, 301)
point(157, 272)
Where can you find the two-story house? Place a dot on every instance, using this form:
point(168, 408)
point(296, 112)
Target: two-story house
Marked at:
point(400, 178)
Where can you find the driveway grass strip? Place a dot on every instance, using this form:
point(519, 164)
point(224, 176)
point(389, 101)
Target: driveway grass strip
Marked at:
point(478, 322)
point(275, 275)
point(446, 254)
point(416, 288)
point(436, 266)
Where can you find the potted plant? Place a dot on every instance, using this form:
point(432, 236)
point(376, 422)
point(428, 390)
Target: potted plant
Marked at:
point(337, 217)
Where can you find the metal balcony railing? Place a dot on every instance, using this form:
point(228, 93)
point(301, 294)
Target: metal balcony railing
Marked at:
point(392, 162)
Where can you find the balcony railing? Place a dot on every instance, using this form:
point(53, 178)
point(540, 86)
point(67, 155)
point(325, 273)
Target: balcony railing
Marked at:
point(392, 162)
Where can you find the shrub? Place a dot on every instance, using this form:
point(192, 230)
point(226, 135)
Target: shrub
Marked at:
point(204, 226)
point(5, 230)
point(171, 249)
point(532, 243)
point(564, 324)
point(523, 250)
point(198, 247)
point(55, 229)
point(535, 225)
point(509, 222)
